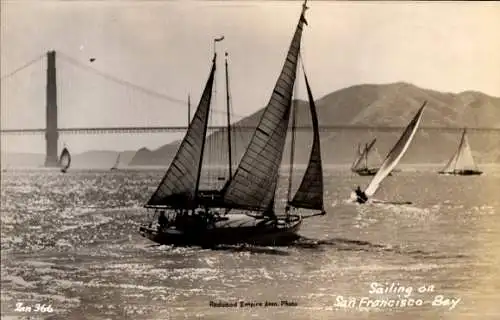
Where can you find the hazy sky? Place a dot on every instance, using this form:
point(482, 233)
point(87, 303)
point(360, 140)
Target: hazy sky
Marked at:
point(167, 47)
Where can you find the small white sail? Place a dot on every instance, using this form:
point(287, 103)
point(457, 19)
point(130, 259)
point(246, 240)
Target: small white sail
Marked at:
point(395, 155)
point(117, 162)
point(465, 160)
point(462, 159)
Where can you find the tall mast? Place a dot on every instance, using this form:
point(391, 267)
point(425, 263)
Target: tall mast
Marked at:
point(189, 109)
point(460, 146)
point(292, 151)
point(366, 155)
point(213, 146)
point(228, 111)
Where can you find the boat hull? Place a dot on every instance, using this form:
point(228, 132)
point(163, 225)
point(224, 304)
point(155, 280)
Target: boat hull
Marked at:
point(368, 172)
point(462, 173)
point(234, 229)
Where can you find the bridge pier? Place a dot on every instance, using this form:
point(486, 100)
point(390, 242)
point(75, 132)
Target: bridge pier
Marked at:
point(51, 134)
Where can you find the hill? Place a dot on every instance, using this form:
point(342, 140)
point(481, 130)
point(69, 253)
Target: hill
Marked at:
point(372, 105)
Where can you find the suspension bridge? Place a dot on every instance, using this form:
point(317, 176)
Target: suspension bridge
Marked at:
point(53, 107)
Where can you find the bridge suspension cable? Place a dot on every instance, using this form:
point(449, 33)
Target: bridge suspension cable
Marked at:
point(129, 84)
point(119, 81)
point(24, 66)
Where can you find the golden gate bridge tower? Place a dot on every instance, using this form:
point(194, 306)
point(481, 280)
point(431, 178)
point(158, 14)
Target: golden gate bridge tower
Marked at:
point(51, 133)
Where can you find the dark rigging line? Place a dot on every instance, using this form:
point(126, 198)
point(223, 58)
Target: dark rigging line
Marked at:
point(22, 67)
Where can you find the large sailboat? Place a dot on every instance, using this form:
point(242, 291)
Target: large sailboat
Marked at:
point(64, 160)
point(462, 162)
point(391, 161)
point(244, 210)
point(360, 165)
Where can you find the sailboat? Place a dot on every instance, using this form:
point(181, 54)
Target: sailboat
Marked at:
point(391, 161)
point(462, 162)
point(117, 162)
point(360, 164)
point(243, 210)
point(64, 160)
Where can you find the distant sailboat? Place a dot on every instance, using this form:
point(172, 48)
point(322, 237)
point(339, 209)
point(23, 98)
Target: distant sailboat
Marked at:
point(360, 164)
point(391, 161)
point(117, 162)
point(462, 162)
point(243, 211)
point(64, 160)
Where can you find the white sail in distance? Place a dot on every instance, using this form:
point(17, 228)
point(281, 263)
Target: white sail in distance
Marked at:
point(117, 162)
point(462, 159)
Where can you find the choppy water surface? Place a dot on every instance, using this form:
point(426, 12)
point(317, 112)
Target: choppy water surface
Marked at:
point(70, 241)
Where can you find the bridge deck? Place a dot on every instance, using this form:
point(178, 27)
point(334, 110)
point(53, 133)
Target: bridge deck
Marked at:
point(109, 130)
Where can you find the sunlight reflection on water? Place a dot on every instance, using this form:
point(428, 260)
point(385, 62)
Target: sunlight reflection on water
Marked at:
point(67, 239)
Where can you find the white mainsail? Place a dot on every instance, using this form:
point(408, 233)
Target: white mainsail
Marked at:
point(397, 152)
point(462, 159)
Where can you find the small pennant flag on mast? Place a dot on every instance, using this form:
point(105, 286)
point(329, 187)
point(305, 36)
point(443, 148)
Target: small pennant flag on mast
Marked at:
point(218, 40)
point(302, 16)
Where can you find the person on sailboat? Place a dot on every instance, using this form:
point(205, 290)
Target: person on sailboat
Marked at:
point(162, 220)
point(360, 195)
